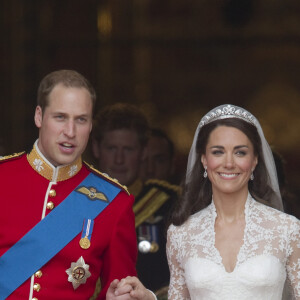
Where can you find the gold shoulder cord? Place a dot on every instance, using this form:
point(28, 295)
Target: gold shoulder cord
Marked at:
point(108, 178)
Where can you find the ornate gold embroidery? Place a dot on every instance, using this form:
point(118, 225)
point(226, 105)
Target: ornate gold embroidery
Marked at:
point(39, 164)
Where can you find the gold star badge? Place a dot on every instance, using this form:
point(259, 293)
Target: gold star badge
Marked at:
point(78, 273)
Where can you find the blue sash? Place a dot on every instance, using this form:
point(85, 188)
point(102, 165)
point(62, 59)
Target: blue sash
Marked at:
point(52, 233)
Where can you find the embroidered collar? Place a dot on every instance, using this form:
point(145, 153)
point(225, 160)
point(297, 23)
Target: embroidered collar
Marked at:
point(41, 165)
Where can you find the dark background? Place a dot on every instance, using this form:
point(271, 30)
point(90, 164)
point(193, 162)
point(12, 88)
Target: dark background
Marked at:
point(174, 59)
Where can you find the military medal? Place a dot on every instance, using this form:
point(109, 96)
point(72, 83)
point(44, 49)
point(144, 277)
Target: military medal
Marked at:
point(154, 247)
point(148, 238)
point(144, 246)
point(78, 273)
point(85, 241)
point(154, 238)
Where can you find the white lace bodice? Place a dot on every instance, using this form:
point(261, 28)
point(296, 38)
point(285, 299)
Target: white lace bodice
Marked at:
point(270, 253)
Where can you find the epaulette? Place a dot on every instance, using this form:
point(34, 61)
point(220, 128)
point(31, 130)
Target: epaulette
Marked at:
point(153, 196)
point(164, 184)
point(107, 177)
point(11, 157)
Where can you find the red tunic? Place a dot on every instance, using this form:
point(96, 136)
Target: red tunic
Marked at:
point(25, 193)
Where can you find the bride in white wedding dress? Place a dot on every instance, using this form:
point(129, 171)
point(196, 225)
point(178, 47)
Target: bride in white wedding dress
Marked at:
point(229, 238)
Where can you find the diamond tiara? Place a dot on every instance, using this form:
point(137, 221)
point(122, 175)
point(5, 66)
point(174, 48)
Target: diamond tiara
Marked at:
point(227, 111)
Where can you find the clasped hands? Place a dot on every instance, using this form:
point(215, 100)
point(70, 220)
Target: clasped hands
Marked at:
point(129, 288)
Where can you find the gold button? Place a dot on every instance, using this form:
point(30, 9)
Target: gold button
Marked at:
point(38, 274)
point(36, 287)
point(50, 205)
point(52, 193)
point(34, 298)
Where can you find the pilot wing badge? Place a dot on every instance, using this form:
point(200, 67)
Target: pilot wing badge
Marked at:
point(92, 193)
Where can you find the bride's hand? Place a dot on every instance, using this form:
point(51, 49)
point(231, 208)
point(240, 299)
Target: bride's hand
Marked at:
point(129, 288)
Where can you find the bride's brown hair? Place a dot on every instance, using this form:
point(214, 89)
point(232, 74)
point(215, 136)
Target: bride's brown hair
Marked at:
point(197, 194)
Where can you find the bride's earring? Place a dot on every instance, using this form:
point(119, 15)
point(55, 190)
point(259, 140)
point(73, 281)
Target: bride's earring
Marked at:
point(252, 176)
point(205, 172)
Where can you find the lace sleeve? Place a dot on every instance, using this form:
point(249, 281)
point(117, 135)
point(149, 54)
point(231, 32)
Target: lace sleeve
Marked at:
point(293, 261)
point(177, 288)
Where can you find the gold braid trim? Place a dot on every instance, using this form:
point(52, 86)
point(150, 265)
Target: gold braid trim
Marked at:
point(115, 181)
point(165, 184)
point(7, 157)
point(44, 168)
point(97, 290)
point(148, 205)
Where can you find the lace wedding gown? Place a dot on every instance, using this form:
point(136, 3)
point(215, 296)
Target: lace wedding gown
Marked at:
point(270, 253)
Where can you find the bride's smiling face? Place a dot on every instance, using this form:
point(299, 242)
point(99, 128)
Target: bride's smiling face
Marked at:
point(230, 160)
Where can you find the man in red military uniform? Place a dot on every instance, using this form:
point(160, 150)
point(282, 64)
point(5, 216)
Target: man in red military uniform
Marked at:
point(62, 223)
